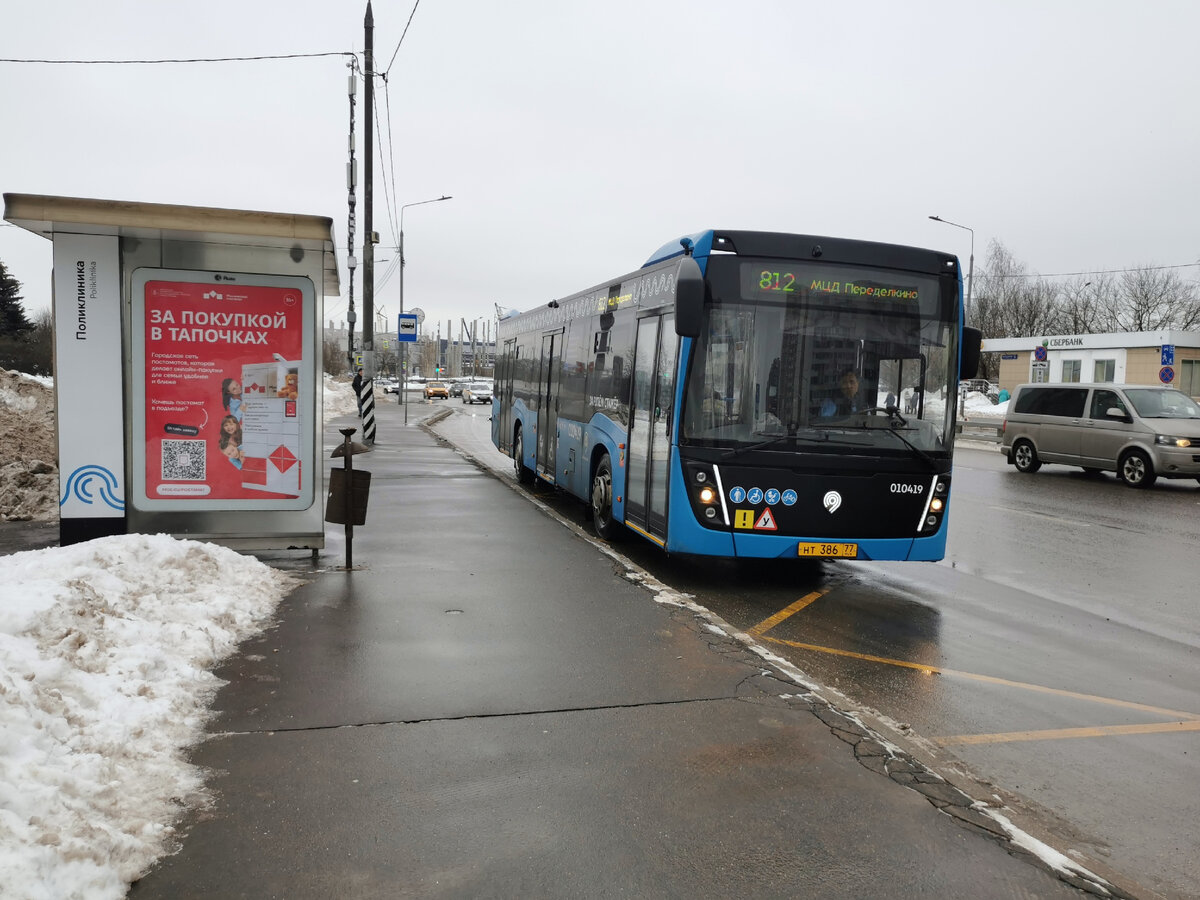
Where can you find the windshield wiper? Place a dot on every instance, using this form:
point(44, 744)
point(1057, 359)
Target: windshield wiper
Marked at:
point(773, 440)
point(894, 419)
point(929, 460)
point(893, 414)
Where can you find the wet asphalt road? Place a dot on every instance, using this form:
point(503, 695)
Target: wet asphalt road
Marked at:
point(490, 706)
point(1052, 659)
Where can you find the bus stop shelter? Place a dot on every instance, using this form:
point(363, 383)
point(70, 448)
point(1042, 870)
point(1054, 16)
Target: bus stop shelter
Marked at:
point(188, 370)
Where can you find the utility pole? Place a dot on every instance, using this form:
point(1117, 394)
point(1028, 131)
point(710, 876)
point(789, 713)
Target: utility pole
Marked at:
point(351, 184)
point(368, 229)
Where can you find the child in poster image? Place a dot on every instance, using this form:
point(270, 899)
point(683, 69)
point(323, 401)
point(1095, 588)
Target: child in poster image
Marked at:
point(230, 441)
point(231, 397)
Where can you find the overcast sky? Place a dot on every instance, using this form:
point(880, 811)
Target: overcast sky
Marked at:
point(576, 138)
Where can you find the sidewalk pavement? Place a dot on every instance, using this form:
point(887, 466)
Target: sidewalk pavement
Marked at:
point(487, 706)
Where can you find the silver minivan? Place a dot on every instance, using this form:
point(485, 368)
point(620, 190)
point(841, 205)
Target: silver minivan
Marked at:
point(1141, 433)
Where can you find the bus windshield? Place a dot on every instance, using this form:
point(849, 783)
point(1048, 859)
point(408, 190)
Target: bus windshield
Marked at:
point(824, 357)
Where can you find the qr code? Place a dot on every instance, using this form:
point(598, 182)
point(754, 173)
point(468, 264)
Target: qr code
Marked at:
point(183, 461)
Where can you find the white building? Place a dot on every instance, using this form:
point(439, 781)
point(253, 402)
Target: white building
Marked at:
point(1143, 357)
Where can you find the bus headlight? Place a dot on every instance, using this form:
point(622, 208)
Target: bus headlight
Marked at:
point(704, 494)
point(935, 511)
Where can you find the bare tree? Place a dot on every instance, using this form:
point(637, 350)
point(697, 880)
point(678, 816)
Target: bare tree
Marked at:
point(1012, 302)
point(999, 284)
point(1032, 310)
point(1149, 299)
point(1082, 305)
point(334, 357)
point(1009, 302)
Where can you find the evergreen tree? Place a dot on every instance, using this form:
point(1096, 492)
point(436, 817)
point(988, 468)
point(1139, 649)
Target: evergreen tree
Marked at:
point(12, 314)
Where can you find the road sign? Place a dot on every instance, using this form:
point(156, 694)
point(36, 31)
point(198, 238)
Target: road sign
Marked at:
point(1166, 374)
point(406, 328)
point(1168, 354)
point(1039, 353)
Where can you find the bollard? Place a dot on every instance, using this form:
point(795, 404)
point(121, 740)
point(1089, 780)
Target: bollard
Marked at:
point(348, 464)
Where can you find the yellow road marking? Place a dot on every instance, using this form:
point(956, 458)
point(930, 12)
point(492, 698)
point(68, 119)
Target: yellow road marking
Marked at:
point(991, 679)
point(833, 651)
point(1061, 733)
point(768, 624)
point(1187, 721)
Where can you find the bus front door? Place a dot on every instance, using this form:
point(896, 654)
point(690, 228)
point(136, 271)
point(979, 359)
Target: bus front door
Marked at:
point(547, 411)
point(505, 372)
point(647, 468)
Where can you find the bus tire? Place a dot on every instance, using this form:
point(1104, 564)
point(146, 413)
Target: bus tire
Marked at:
point(1025, 458)
point(601, 500)
point(524, 473)
point(1136, 470)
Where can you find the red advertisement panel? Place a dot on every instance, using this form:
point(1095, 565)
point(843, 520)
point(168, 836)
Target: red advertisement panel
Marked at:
point(222, 379)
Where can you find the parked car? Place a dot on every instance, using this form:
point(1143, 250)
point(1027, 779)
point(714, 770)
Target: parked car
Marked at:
point(436, 389)
point(1139, 432)
point(390, 385)
point(477, 392)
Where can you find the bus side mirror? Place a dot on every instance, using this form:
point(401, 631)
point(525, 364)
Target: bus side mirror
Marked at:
point(689, 298)
point(972, 340)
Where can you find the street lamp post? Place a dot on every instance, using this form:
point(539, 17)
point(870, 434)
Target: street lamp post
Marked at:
point(971, 264)
point(404, 358)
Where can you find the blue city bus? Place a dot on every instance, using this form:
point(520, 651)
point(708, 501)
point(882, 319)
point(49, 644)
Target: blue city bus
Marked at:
point(748, 395)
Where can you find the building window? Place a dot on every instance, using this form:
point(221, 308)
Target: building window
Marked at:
point(1071, 370)
point(1106, 370)
point(1189, 377)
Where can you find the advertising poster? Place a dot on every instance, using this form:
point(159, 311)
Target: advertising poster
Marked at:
point(224, 382)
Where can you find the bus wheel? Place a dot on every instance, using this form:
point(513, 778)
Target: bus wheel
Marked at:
point(1025, 457)
point(602, 514)
point(1136, 470)
point(524, 473)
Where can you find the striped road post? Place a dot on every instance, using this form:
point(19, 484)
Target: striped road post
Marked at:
point(366, 397)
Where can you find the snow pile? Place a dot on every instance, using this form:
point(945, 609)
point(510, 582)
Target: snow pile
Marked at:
point(105, 649)
point(29, 475)
point(339, 398)
point(978, 406)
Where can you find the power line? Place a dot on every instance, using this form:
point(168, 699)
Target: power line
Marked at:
point(155, 62)
point(389, 188)
point(401, 41)
point(1096, 271)
point(389, 185)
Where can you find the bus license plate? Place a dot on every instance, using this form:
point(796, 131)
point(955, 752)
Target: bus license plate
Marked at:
point(837, 550)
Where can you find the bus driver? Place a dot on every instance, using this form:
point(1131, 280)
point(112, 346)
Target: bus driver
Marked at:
point(845, 402)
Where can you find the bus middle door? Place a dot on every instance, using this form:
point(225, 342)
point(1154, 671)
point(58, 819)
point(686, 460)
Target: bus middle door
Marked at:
point(547, 413)
point(648, 465)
